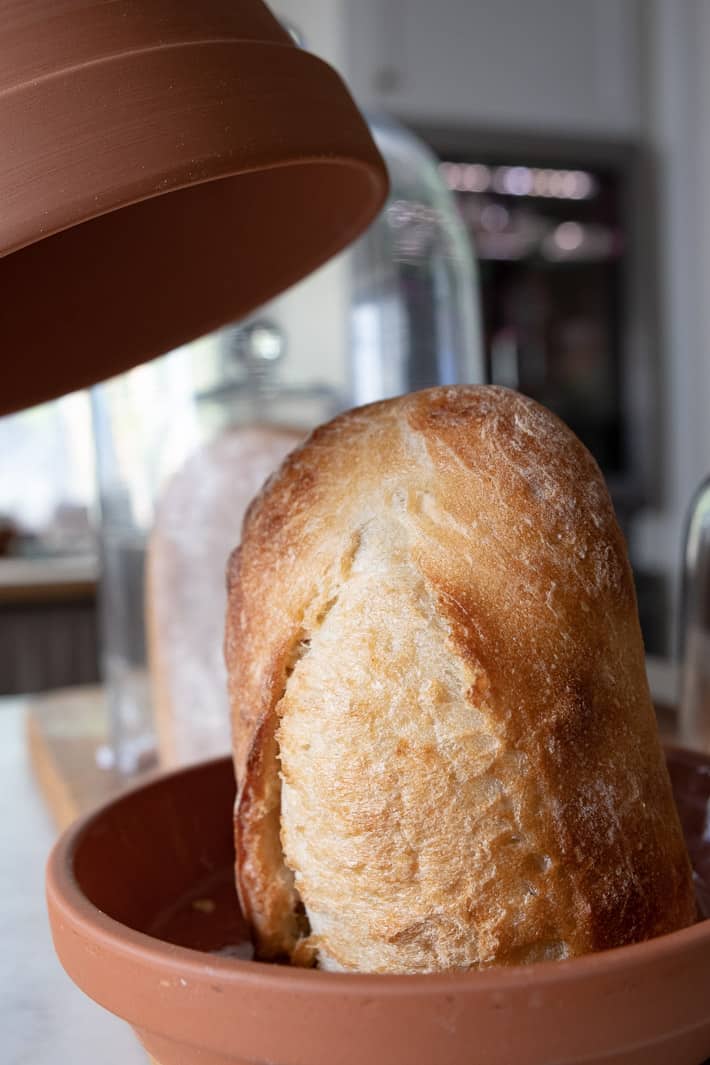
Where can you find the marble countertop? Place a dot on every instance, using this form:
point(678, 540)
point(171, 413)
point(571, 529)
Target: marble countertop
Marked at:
point(44, 1018)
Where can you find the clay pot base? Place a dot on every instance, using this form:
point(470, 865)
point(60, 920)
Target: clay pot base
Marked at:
point(145, 920)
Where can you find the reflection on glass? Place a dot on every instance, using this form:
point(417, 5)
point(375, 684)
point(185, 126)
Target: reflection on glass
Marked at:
point(695, 626)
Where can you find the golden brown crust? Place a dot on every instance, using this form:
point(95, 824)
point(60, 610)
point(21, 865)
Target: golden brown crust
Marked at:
point(432, 637)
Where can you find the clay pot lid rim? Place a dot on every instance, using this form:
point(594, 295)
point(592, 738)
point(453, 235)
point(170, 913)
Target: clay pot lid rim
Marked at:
point(335, 160)
point(224, 168)
point(69, 901)
point(47, 76)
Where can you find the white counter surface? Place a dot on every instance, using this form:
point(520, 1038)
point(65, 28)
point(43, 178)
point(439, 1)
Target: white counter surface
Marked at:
point(44, 1018)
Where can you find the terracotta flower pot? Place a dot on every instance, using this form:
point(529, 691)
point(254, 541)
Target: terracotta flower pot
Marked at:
point(167, 165)
point(145, 920)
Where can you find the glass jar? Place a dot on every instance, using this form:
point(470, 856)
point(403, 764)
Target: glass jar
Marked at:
point(414, 316)
point(694, 627)
point(182, 445)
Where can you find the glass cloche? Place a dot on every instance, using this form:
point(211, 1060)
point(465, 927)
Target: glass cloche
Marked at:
point(183, 443)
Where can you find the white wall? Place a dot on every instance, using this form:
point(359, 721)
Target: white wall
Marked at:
point(676, 123)
point(313, 314)
point(321, 25)
point(565, 65)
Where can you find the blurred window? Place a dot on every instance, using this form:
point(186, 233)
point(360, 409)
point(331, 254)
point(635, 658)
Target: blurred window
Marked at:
point(47, 478)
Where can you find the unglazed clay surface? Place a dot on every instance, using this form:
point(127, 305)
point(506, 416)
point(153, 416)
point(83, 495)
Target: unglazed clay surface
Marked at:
point(168, 167)
point(145, 920)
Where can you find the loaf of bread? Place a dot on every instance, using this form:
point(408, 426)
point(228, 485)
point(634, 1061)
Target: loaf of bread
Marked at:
point(446, 752)
point(197, 523)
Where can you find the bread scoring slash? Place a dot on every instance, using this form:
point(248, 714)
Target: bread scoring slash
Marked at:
point(445, 747)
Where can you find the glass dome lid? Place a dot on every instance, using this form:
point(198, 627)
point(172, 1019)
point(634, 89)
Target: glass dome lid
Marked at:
point(415, 314)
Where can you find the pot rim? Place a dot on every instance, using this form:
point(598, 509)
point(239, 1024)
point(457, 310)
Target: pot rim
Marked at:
point(69, 904)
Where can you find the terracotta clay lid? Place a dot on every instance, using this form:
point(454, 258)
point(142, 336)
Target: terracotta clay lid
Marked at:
point(145, 919)
point(167, 165)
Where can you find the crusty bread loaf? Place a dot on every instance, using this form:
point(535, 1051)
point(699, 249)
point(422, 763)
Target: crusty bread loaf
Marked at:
point(197, 524)
point(446, 751)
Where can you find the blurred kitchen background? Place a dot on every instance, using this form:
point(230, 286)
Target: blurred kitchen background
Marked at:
point(570, 154)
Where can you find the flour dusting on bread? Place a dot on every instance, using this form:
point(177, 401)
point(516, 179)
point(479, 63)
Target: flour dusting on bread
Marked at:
point(445, 747)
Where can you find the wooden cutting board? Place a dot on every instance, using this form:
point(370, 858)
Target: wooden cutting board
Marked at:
point(67, 731)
